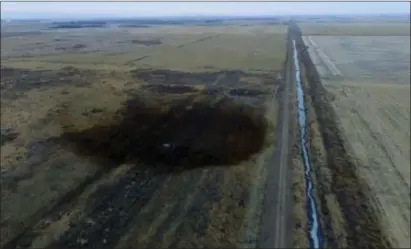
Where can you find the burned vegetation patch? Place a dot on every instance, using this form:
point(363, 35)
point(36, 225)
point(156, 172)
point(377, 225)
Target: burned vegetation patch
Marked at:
point(38, 152)
point(7, 135)
point(245, 92)
point(15, 81)
point(168, 89)
point(165, 76)
point(75, 47)
point(181, 134)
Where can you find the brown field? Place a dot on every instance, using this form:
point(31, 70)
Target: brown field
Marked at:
point(362, 106)
point(78, 134)
point(376, 125)
point(356, 29)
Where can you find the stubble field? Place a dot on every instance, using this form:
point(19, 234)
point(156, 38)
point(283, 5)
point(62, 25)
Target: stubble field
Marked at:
point(367, 83)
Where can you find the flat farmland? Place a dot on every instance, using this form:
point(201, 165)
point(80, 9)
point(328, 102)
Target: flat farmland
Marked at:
point(379, 59)
point(367, 79)
point(356, 28)
point(180, 48)
point(98, 127)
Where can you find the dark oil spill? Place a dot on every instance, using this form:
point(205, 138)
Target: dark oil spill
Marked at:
point(186, 133)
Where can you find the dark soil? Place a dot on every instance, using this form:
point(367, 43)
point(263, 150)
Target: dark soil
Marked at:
point(78, 46)
point(174, 77)
point(15, 81)
point(164, 76)
point(7, 135)
point(37, 153)
point(231, 77)
point(189, 134)
point(247, 92)
point(178, 89)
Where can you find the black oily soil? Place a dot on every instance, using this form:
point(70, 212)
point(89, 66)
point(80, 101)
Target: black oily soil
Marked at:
point(159, 88)
point(246, 92)
point(7, 135)
point(187, 134)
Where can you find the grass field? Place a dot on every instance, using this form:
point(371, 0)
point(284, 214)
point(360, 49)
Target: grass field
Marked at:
point(366, 84)
point(189, 48)
point(64, 90)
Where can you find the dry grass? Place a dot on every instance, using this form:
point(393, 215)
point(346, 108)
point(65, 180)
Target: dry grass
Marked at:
point(182, 48)
point(300, 228)
point(332, 220)
point(376, 125)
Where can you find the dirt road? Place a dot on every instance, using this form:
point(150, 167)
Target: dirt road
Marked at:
point(276, 222)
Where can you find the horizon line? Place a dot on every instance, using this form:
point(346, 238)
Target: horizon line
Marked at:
point(205, 15)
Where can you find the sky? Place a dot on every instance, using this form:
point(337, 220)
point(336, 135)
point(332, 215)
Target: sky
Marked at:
point(54, 10)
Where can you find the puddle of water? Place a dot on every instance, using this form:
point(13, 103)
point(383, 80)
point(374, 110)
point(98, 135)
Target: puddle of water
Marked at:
point(312, 213)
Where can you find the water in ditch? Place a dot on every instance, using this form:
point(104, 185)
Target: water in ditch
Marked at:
point(314, 231)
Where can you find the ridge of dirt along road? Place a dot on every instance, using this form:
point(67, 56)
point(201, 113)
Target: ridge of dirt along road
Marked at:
point(276, 227)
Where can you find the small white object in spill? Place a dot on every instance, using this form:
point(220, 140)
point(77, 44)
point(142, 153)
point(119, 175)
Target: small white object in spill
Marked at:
point(167, 145)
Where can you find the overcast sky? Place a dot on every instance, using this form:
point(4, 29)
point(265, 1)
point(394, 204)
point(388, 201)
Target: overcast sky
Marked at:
point(144, 9)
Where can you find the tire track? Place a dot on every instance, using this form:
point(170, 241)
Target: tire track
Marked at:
point(27, 236)
point(196, 220)
point(383, 149)
point(197, 41)
point(163, 215)
point(131, 62)
point(110, 212)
